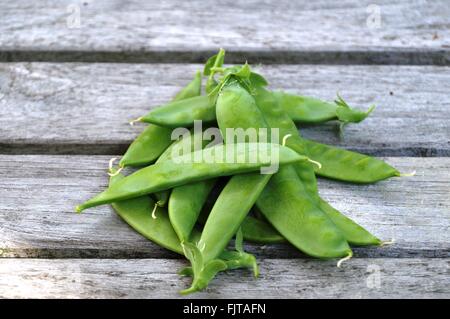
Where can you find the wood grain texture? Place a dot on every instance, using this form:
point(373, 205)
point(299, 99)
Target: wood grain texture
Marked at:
point(409, 32)
point(280, 278)
point(38, 195)
point(71, 108)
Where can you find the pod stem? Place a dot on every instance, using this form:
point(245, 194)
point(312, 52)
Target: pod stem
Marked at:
point(116, 172)
point(139, 119)
point(283, 143)
point(314, 162)
point(339, 263)
point(387, 242)
point(413, 173)
point(154, 211)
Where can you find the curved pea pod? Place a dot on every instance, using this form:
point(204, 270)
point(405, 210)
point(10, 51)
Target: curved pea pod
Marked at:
point(147, 147)
point(204, 271)
point(346, 114)
point(152, 142)
point(182, 113)
point(259, 231)
point(212, 162)
point(184, 144)
point(344, 165)
point(309, 110)
point(285, 205)
point(304, 109)
point(229, 211)
point(353, 233)
point(136, 212)
point(185, 205)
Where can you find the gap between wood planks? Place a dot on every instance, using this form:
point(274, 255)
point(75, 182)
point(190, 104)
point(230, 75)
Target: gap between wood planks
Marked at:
point(331, 57)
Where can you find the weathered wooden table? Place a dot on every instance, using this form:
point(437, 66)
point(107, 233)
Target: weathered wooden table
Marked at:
point(72, 73)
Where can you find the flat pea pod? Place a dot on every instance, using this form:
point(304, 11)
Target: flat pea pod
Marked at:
point(309, 110)
point(212, 162)
point(152, 142)
point(274, 115)
point(344, 165)
point(304, 109)
point(253, 229)
point(229, 211)
point(239, 194)
point(258, 231)
point(185, 144)
point(136, 212)
point(182, 113)
point(295, 216)
point(335, 163)
point(353, 233)
point(147, 147)
point(185, 205)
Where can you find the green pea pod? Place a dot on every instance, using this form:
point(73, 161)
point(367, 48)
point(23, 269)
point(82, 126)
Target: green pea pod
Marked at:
point(184, 144)
point(253, 229)
point(185, 204)
point(147, 147)
point(344, 165)
point(229, 211)
point(204, 271)
point(182, 113)
point(274, 115)
point(258, 231)
point(284, 203)
point(137, 213)
point(353, 233)
point(335, 163)
point(346, 114)
point(152, 142)
point(304, 109)
point(200, 165)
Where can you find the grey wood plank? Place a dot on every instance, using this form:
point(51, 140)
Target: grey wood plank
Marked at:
point(280, 278)
point(38, 195)
point(263, 31)
point(78, 108)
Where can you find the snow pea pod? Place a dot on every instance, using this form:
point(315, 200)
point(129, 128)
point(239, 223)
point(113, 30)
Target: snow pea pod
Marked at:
point(229, 211)
point(315, 233)
point(149, 145)
point(274, 115)
point(353, 233)
point(309, 110)
point(259, 231)
point(185, 204)
point(284, 203)
point(137, 213)
point(344, 165)
point(254, 229)
point(211, 163)
point(184, 144)
point(182, 113)
point(336, 163)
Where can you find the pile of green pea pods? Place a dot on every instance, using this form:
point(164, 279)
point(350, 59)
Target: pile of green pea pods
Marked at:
point(197, 208)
